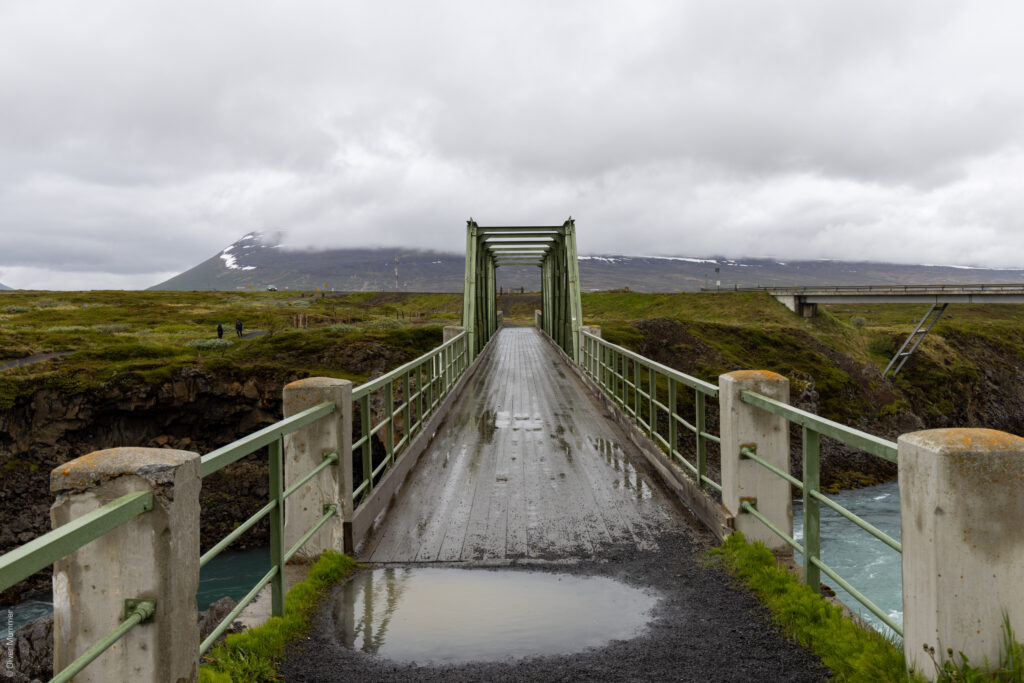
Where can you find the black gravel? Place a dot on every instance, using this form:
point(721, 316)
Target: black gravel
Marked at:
point(705, 628)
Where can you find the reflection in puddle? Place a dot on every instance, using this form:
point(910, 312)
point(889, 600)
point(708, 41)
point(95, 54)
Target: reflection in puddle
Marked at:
point(450, 616)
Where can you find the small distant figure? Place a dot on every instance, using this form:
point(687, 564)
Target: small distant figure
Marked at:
point(220, 331)
point(238, 328)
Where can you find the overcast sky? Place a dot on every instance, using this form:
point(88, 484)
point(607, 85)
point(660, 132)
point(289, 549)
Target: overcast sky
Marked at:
point(139, 138)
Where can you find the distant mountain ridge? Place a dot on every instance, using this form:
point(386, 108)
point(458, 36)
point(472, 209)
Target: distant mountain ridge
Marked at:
point(3, 286)
point(258, 261)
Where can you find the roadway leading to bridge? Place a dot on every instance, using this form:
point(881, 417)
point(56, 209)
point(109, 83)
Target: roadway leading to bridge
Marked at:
point(527, 472)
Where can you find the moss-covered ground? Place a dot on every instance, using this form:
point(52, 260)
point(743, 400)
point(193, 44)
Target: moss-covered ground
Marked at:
point(116, 337)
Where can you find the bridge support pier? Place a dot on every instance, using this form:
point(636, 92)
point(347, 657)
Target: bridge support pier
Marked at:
point(743, 480)
point(304, 450)
point(154, 556)
point(798, 304)
point(963, 542)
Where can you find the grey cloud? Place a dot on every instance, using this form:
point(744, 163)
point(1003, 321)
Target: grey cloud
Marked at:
point(791, 129)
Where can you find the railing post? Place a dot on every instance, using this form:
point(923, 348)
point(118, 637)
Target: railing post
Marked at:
point(673, 425)
point(700, 422)
point(744, 480)
point(812, 508)
point(304, 450)
point(963, 542)
point(154, 556)
point(276, 518)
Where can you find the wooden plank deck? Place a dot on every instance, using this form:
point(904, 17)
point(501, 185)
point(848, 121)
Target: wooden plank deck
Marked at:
point(526, 466)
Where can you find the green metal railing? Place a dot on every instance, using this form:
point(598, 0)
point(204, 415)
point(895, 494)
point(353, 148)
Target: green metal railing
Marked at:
point(814, 427)
point(419, 387)
point(273, 438)
point(41, 552)
point(645, 390)
point(637, 385)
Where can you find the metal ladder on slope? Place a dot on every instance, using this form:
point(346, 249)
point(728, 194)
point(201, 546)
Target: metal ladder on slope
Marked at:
point(934, 313)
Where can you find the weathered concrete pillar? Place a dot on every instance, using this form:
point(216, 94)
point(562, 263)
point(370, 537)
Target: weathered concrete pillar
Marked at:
point(153, 556)
point(961, 511)
point(304, 450)
point(536, 318)
point(745, 425)
point(452, 331)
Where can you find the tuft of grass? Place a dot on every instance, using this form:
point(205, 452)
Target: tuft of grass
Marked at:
point(253, 655)
point(112, 328)
point(16, 309)
point(852, 652)
point(957, 668)
point(210, 344)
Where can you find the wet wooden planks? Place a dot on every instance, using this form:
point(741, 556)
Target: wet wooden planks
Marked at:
point(524, 466)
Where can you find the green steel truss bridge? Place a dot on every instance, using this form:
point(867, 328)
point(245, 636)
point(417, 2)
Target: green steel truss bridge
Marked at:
point(533, 447)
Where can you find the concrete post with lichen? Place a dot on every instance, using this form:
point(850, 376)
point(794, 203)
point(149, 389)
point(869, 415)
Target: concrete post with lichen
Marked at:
point(451, 332)
point(152, 556)
point(304, 450)
point(961, 512)
point(743, 424)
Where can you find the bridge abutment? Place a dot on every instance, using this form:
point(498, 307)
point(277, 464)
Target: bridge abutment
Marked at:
point(304, 450)
point(963, 542)
point(154, 556)
point(743, 480)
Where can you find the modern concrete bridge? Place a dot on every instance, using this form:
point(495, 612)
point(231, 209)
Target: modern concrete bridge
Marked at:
point(542, 447)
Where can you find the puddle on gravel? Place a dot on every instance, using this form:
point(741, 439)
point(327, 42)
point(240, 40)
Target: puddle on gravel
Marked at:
point(453, 616)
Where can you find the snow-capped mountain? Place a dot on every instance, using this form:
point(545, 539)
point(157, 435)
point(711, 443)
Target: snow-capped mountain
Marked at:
point(258, 261)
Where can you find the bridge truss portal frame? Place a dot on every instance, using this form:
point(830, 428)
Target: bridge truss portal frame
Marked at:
point(552, 249)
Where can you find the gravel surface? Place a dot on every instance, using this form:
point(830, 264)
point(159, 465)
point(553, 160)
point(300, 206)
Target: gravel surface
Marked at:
point(705, 628)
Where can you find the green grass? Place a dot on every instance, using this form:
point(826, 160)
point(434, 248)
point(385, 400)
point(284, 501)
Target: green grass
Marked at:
point(707, 334)
point(851, 652)
point(144, 338)
point(254, 654)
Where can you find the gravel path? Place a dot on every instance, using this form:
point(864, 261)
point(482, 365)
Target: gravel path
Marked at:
point(704, 629)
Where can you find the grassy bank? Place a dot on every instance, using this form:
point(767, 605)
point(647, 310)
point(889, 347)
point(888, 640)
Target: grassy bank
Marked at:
point(253, 654)
point(853, 653)
point(126, 338)
point(836, 358)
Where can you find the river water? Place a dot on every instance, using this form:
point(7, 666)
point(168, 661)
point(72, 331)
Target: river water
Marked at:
point(233, 573)
point(868, 564)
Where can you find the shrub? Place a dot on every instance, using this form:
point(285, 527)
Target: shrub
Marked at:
point(112, 328)
point(210, 344)
point(16, 309)
point(66, 328)
point(858, 321)
point(50, 303)
point(385, 324)
point(342, 328)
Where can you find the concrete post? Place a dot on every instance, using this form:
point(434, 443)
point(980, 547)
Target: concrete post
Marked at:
point(452, 331)
point(153, 556)
point(536, 319)
point(304, 450)
point(963, 542)
point(745, 425)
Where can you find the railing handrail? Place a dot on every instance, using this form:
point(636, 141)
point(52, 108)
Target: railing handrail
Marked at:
point(44, 550)
point(390, 376)
point(236, 450)
point(694, 383)
point(869, 443)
